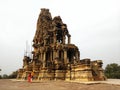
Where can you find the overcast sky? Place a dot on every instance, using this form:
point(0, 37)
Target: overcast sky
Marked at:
point(93, 24)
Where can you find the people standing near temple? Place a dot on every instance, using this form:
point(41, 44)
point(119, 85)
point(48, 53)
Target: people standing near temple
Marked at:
point(29, 77)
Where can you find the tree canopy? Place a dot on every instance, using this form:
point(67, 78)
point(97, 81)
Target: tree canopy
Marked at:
point(112, 71)
point(12, 75)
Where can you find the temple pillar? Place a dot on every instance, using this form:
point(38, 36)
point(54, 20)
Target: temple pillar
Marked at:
point(34, 64)
point(65, 56)
point(76, 55)
point(44, 59)
point(62, 55)
point(54, 54)
point(57, 53)
point(51, 55)
point(63, 39)
point(54, 38)
point(41, 56)
point(69, 39)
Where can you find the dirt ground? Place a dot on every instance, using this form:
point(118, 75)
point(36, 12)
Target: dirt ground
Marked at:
point(6, 84)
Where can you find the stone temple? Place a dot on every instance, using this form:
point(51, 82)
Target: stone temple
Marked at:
point(55, 57)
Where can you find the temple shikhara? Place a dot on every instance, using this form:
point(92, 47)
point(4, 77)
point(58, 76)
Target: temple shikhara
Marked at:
point(54, 56)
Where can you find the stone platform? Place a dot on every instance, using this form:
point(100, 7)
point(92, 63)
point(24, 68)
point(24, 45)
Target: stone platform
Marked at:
point(108, 81)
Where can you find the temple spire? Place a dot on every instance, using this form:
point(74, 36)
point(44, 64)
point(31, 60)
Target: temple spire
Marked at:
point(54, 56)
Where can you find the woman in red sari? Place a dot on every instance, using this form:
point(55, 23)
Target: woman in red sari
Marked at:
point(29, 77)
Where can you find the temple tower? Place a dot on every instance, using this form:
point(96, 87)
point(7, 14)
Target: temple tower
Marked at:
point(55, 57)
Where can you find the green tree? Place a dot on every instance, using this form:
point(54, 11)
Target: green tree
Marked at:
point(112, 71)
point(13, 75)
point(0, 77)
point(5, 76)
